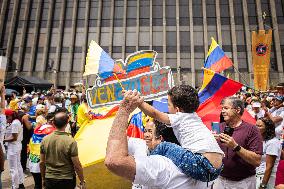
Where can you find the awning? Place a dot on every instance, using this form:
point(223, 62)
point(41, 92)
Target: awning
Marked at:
point(27, 81)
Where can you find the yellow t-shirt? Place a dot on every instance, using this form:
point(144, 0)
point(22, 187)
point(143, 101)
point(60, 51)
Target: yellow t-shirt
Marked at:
point(14, 104)
point(81, 114)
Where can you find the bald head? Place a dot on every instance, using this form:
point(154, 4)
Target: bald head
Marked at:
point(60, 120)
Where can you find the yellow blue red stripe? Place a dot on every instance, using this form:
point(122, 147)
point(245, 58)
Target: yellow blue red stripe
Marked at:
point(214, 89)
point(216, 58)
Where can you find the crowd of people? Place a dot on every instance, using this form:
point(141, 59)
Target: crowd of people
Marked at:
point(252, 154)
point(25, 122)
point(178, 150)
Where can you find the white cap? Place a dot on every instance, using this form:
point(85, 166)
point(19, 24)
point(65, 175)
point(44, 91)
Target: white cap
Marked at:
point(256, 105)
point(40, 107)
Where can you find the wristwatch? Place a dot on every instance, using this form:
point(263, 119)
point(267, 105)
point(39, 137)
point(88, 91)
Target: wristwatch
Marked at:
point(262, 186)
point(82, 183)
point(237, 148)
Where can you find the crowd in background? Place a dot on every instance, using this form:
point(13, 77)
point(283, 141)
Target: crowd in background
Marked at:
point(29, 115)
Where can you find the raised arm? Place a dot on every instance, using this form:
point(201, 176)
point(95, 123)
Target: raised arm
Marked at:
point(3, 93)
point(156, 114)
point(117, 159)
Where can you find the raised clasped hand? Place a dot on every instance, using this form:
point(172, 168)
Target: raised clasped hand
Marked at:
point(131, 100)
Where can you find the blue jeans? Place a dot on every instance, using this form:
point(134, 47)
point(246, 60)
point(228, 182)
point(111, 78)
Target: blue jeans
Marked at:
point(194, 165)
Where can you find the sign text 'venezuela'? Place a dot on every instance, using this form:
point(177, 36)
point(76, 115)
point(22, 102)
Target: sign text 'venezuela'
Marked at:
point(151, 84)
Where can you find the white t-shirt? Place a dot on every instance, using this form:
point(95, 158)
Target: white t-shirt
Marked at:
point(278, 126)
point(157, 172)
point(53, 107)
point(192, 134)
point(270, 147)
point(137, 147)
point(15, 146)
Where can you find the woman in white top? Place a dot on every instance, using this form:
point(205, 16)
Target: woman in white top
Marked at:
point(14, 137)
point(266, 172)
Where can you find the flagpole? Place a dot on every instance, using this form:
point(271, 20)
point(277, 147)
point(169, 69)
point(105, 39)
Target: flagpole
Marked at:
point(118, 81)
point(246, 83)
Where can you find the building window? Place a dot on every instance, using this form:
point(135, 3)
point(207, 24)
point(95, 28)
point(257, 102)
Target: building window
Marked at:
point(144, 13)
point(78, 50)
point(170, 12)
point(65, 50)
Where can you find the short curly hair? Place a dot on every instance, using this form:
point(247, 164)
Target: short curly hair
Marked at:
point(184, 97)
point(269, 128)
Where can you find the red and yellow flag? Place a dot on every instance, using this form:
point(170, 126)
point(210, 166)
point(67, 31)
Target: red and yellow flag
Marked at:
point(261, 48)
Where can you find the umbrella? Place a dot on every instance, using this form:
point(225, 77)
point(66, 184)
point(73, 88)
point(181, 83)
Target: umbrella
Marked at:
point(10, 91)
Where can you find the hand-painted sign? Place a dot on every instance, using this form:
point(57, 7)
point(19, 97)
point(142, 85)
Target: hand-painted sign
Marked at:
point(152, 83)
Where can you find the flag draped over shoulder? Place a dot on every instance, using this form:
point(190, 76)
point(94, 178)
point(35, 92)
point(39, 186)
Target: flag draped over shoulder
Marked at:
point(216, 59)
point(34, 146)
point(214, 89)
point(99, 62)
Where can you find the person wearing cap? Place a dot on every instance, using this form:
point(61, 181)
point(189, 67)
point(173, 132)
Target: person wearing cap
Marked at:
point(276, 114)
point(14, 137)
point(257, 112)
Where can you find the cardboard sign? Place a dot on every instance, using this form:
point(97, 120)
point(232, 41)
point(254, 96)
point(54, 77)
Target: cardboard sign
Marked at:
point(151, 85)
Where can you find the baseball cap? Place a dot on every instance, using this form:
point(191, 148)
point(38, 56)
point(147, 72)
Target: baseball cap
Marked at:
point(280, 98)
point(28, 99)
point(256, 105)
point(8, 112)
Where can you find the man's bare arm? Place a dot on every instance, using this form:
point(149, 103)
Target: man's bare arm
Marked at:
point(3, 93)
point(156, 114)
point(250, 157)
point(42, 166)
point(117, 159)
point(78, 168)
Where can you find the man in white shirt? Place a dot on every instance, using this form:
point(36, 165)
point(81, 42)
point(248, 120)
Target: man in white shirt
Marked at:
point(153, 171)
point(257, 112)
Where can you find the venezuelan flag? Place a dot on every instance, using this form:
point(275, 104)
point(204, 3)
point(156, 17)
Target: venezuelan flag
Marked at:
point(140, 59)
point(136, 128)
point(99, 62)
point(39, 133)
point(216, 59)
point(214, 89)
point(104, 112)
